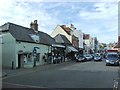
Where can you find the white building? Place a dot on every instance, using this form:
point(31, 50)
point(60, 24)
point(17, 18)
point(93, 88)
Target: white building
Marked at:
point(23, 47)
point(73, 35)
point(60, 30)
point(88, 42)
point(93, 44)
point(79, 34)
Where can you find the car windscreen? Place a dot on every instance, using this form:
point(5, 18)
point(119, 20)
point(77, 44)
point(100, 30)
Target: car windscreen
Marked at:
point(112, 56)
point(97, 56)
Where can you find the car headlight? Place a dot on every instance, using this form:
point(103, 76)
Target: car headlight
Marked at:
point(107, 60)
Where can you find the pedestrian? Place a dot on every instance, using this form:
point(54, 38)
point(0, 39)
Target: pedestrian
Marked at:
point(45, 57)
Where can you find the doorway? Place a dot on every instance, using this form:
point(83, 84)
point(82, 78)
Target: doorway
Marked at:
point(20, 61)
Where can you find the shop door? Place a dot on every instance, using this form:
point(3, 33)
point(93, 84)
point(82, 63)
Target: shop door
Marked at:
point(19, 60)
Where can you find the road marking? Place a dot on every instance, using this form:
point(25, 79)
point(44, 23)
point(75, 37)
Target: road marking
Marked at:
point(24, 85)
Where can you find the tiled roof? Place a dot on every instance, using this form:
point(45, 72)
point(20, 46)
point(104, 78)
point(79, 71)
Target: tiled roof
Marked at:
point(117, 45)
point(66, 29)
point(59, 38)
point(21, 33)
point(86, 36)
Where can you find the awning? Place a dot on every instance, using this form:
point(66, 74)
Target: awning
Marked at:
point(21, 52)
point(70, 48)
point(57, 45)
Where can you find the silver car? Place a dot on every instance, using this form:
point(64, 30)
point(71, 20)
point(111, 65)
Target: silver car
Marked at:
point(112, 59)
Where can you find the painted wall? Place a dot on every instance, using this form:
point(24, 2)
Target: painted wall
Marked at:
point(80, 38)
point(87, 42)
point(8, 50)
point(59, 30)
point(11, 47)
point(28, 47)
point(0, 51)
point(93, 43)
point(44, 49)
point(119, 32)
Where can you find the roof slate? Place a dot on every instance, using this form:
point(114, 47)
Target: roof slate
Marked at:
point(59, 38)
point(21, 33)
point(66, 29)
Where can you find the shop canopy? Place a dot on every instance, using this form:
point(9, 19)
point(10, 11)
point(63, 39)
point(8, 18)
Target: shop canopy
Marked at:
point(71, 48)
point(57, 45)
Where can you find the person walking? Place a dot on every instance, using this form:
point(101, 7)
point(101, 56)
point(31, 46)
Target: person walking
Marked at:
point(45, 58)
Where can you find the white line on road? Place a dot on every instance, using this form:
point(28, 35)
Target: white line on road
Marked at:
point(28, 86)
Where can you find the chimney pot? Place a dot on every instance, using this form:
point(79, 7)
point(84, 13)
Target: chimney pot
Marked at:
point(35, 21)
point(34, 25)
point(72, 26)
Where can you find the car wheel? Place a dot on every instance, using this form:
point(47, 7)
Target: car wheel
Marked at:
point(117, 64)
point(106, 64)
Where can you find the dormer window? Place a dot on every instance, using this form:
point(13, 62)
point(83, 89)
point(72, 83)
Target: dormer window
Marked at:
point(35, 38)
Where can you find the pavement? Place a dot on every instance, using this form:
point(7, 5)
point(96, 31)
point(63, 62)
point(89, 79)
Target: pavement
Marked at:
point(3, 74)
point(6, 71)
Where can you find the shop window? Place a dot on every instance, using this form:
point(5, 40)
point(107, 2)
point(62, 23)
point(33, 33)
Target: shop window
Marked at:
point(38, 57)
point(29, 56)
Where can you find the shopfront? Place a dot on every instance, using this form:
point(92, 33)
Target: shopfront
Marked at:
point(58, 51)
point(70, 52)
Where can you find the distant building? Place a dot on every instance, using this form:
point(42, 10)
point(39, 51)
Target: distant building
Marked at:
point(118, 27)
point(60, 30)
point(68, 32)
point(88, 42)
point(67, 52)
point(93, 45)
point(79, 38)
point(96, 45)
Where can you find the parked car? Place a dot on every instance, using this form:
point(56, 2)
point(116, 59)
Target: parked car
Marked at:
point(112, 59)
point(97, 58)
point(92, 56)
point(88, 57)
point(81, 58)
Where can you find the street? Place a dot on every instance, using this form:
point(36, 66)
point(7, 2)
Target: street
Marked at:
point(65, 75)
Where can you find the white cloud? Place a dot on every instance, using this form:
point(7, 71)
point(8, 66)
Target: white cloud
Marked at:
point(103, 19)
point(70, 0)
point(102, 11)
point(22, 13)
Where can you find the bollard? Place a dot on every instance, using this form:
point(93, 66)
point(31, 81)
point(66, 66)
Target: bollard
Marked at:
point(12, 65)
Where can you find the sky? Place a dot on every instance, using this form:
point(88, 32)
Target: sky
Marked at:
point(99, 19)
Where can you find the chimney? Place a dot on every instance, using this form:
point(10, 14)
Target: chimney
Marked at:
point(71, 26)
point(34, 25)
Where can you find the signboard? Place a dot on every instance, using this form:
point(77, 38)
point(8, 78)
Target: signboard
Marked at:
point(35, 54)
